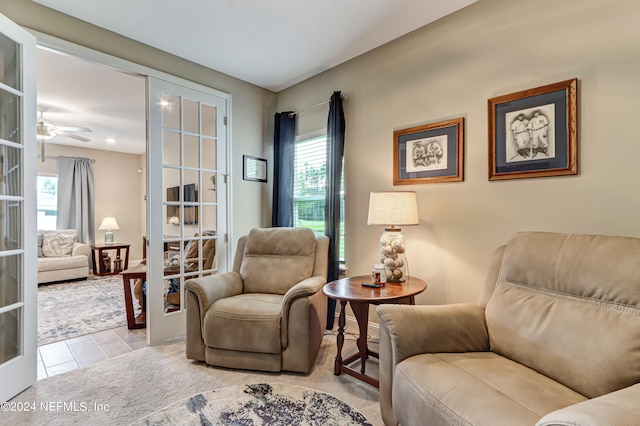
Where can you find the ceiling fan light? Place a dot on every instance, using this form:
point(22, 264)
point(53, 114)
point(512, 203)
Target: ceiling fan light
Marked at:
point(45, 131)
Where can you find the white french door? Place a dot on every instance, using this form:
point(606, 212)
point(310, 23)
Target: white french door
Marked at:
point(18, 281)
point(186, 198)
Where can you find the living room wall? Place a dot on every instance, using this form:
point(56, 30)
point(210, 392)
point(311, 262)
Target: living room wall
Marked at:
point(115, 195)
point(450, 69)
point(251, 105)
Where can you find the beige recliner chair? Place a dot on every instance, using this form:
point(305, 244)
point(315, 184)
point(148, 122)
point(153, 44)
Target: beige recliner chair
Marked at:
point(555, 340)
point(267, 313)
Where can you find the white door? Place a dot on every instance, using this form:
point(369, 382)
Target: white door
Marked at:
point(186, 198)
point(18, 280)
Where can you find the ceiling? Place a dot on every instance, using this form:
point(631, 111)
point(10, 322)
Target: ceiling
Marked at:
point(272, 44)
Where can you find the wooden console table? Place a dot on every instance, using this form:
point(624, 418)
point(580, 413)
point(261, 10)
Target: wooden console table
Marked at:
point(118, 264)
point(359, 297)
point(138, 271)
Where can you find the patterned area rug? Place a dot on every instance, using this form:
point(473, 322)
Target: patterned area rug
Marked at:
point(76, 308)
point(259, 404)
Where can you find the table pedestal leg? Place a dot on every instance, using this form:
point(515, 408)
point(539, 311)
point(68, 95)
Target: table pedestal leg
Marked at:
point(341, 323)
point(361, 312)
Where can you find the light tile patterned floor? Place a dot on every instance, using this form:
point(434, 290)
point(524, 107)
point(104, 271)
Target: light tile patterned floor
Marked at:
point(60, 357)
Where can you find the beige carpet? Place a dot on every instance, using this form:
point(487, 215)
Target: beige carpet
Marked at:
point(122, 390)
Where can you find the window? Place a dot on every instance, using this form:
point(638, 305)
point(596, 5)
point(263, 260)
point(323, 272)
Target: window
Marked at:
point(47, 192)
point(309, 186)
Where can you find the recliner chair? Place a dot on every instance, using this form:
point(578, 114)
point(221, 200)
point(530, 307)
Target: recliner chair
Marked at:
point(268, 312)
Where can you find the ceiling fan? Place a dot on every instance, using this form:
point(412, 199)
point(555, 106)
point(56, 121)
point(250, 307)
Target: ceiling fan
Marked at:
point(47, 129)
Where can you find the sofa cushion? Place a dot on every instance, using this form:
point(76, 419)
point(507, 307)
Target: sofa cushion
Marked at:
point(57, 263)
point(556, 296)
point(247, 322)
point(445, 388)
point(58, 244)
point(275, 259)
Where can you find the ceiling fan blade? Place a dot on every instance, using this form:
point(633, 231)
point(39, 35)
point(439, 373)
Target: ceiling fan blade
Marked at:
point(73, 129)
point(72, 136)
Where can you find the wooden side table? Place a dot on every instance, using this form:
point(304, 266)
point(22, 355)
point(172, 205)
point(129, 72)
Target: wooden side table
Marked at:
point(138, 271)
point(118, 264)
point(359, 298)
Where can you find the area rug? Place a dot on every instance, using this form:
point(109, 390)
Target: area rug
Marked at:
point(258, 404)
point(76, 308)
point(127, 388)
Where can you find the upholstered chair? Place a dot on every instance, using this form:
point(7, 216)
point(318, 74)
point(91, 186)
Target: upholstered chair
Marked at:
point(267, 313)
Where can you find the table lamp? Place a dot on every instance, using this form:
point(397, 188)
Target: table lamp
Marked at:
point(393, 209)
point(109, 225)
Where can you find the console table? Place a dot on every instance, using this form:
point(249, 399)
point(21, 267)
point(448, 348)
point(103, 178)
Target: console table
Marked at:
point(359, 298)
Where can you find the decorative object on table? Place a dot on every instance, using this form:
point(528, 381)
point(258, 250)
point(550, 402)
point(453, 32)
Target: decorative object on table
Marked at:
point(117, 264)
point(258, 404)
point(393, 209)
point(174, 220)
point(378, 274)
point(534, 133)
point(430, 153)
point(109, 225)
point(106, 262)
point(254, 168)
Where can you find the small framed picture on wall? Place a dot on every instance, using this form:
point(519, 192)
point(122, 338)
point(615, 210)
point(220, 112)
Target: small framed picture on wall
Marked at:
point(254, 168)
point(429, 153)
point(534, 133)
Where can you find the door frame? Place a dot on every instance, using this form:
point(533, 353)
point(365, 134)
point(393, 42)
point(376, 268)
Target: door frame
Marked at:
point(122, 65)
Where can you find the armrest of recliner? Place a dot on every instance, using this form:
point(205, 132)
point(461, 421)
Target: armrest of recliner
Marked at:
point(407, 330)
point(305, 288)
point(214, 287)
point(417, 329)
point(616, 408)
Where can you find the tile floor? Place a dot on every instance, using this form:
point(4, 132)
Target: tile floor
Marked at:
point(67, 355)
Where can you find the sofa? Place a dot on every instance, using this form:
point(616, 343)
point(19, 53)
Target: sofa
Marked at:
point(554, 340)
point(61, 257)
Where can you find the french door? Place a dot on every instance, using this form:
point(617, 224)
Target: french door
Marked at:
point(18, 281)
point(186, 198)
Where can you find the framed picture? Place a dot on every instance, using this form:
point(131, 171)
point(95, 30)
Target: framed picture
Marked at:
point(534, 133)
point(254, 168)
point(430, 153)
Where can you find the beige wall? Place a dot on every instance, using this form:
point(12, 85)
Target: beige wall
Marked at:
point(115, 194)
point(449, 69)
point(251, 105)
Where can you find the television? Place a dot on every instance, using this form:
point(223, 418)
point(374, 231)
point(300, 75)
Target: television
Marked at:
point(190, 212)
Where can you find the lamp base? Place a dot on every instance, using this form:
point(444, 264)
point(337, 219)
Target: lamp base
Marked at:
point(392, 255)
point(108, 237)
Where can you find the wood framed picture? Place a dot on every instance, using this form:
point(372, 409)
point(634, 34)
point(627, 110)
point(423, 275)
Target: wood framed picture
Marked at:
point(430, 153)
point(534, 133)
point(254, 168)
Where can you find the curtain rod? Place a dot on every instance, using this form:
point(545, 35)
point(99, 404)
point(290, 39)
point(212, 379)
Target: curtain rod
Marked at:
point(55, 157)
point(291, 114)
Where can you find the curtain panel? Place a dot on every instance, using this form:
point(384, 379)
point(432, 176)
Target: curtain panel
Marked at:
point(76, 197)
point(283, 145)
point(335, 154)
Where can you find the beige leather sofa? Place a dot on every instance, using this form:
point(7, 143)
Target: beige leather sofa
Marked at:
point(268, 313)
point(555, 340)
point(63, 258)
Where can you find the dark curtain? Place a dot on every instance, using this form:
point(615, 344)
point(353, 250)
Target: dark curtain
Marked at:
point(76, 197)
point(283, 144)
point(335, 152)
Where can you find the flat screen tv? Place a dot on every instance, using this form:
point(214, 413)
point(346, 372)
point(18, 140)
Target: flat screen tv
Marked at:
point(190, 212)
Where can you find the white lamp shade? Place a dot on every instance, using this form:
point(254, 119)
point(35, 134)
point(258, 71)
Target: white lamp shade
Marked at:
point(109, 224)
point(397, 208)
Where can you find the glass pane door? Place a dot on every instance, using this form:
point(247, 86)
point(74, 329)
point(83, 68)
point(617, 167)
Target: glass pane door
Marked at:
point(18, 283)
point(187, 163)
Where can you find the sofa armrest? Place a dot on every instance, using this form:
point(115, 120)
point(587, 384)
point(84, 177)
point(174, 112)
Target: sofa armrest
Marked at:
point(442, 328)
point(305, 288)
point(616, 408)
point(214, 287)
point(80, 248)
point(407, 330)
